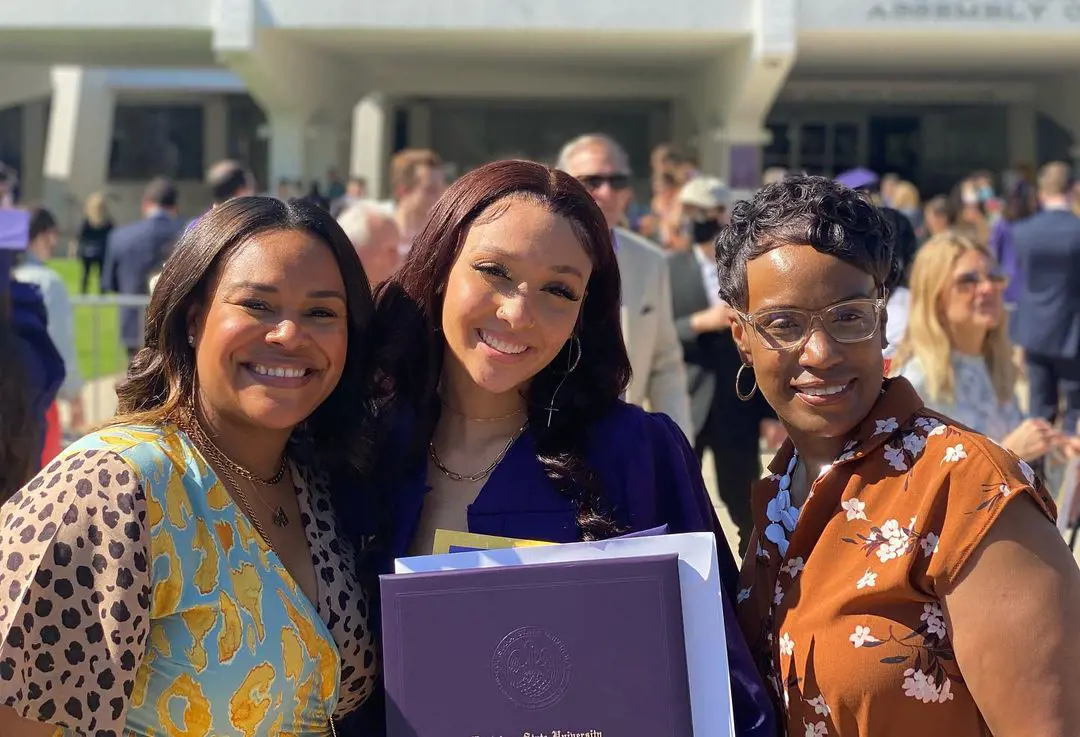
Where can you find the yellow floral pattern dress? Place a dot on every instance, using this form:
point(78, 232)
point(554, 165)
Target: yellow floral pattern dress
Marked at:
point(137, 599)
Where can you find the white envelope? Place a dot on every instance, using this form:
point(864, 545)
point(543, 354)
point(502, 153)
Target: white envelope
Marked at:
point(703, 611)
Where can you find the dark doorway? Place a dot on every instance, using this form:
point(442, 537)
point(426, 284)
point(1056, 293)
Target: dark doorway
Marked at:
point(895, 146)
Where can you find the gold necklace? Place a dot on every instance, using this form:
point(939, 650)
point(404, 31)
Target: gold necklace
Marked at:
point(479, 476)
point(236, 467)
point(228, 467)
point(453, 411)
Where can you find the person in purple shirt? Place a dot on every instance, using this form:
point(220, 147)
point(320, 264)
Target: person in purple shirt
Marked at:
point(503, 347)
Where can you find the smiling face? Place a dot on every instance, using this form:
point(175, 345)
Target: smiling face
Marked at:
point(973, 296)
point(513, 296)
point(823, 388)
point(271, 338)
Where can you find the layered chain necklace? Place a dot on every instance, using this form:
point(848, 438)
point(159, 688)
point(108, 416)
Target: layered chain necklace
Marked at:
point(229, 467)
point(479, 475)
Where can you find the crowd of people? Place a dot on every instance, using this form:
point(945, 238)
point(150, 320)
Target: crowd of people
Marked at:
point(320, 383)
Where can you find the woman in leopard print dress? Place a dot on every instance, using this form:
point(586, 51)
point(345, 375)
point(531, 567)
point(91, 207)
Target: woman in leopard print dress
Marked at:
point(180, 571)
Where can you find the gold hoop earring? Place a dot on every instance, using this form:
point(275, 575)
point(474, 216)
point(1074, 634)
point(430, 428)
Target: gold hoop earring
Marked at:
point(738, 380)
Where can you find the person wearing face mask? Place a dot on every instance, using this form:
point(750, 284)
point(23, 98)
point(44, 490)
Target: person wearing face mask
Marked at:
point(905, 576)
point(722, 424)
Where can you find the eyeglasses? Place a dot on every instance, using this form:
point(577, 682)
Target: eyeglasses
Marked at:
point(970, 280)
point(594, 182)
point(785, 328)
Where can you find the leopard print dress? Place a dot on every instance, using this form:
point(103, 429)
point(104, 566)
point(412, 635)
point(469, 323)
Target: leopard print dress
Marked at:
point(137, 599)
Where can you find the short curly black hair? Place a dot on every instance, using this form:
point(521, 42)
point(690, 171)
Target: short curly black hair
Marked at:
point(804, 210)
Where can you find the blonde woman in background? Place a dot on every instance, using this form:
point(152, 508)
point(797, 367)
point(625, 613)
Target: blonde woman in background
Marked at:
point(93, 236)
point(905, 198)
point(956, 351)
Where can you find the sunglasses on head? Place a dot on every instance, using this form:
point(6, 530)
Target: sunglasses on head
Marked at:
point(594, 182)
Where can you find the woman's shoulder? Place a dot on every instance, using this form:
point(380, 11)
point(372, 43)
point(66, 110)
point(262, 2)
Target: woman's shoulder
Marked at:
point(139, 444)
point(623, 424)
point(954, 483)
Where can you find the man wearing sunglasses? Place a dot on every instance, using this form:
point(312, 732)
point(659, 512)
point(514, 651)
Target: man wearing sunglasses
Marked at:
point(652, 343)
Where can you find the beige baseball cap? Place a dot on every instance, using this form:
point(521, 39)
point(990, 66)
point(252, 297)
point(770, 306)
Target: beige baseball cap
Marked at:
point(706, 193)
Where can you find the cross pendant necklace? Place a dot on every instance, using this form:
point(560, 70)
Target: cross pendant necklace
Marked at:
point(551, 409)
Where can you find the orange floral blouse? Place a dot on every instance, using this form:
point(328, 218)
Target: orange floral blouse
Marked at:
point(847, 626)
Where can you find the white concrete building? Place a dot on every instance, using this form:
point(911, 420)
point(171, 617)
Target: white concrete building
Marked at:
point(108, 93)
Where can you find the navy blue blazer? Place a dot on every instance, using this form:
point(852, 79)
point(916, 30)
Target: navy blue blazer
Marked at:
point(134, 253)
point(1048, 309)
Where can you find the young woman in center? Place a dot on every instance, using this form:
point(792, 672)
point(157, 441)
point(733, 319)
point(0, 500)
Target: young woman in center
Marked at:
point(508, 369)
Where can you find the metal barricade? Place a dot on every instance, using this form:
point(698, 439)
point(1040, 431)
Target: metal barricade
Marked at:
point(102, 356)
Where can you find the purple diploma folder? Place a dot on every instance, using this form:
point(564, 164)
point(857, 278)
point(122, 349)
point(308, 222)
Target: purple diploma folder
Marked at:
point(586, 649)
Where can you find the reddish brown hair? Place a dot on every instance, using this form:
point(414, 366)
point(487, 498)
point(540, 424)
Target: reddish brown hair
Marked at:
point(409, 309)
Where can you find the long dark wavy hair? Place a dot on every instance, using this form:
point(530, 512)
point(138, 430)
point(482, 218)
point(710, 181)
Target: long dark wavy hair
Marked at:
point(341, 433)
point(409, 313)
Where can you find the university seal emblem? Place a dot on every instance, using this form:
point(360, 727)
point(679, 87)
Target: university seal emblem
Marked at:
point(532, 667)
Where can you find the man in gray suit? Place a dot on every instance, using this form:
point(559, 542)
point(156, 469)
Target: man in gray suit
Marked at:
point(656, 358)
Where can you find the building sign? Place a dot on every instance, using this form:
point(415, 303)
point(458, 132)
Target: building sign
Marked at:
point(1034, 12)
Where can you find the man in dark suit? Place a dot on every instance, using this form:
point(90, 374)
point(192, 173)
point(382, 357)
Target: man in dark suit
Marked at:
point(727, 426)
point(136, 251)
point(1048, 310)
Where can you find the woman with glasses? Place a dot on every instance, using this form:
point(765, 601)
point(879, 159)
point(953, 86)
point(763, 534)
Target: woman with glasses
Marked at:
point(956, 352)
point(905, 576)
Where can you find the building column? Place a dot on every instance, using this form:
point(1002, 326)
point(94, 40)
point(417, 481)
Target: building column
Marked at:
point(34, 122)
point(372, 118)
point(79, 141)
point(736, 92)
point(287, 145)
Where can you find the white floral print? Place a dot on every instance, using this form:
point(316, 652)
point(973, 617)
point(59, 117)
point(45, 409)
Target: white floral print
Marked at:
point(848, 452)
point(793, 567)
point(886, 426)
point(895, 458)
point(929, 544)
point(914, 444)
point(787, 645)
point(854, 509)
point(890, 541)
point(955, 453)
point(861, 636)
point(921, 686)
point(819, 705)
point(816, 730)
point(937, 429)
point(935, 620)
point(1029, 474)
point(927, 424)
point(778, 594)
point(744, 595)
point(868, 581)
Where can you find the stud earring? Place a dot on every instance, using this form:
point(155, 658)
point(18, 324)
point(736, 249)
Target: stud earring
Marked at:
point(191, 340)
